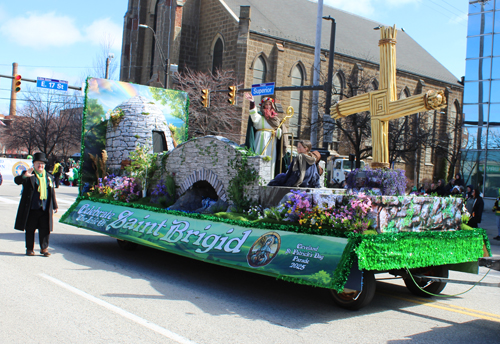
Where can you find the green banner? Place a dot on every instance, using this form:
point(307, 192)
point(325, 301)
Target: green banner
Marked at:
point(308, 259)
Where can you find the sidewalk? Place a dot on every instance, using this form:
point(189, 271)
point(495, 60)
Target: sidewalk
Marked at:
point(489, 222)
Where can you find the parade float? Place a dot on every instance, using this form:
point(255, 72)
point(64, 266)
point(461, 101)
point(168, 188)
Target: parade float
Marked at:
point(144, 183)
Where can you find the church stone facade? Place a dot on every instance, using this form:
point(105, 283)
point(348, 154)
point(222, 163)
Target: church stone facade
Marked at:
point(273, 41)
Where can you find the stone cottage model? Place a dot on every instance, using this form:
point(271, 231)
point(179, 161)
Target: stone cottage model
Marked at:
point(205, 162)
point(133, 122)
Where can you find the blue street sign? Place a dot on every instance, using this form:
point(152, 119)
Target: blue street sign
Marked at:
point(263, 89)
point(53, 84)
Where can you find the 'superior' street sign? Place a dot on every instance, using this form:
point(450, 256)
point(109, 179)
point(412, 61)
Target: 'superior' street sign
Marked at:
point(263, 89)
point(53, 84)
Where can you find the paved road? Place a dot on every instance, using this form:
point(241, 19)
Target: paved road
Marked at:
point(91, 291)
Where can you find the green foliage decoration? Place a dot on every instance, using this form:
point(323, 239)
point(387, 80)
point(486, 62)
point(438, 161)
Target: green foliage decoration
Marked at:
point(143, 165)
point(245, 176)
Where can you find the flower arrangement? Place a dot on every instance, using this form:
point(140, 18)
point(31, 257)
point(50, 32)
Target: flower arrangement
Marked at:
point(164, 192)
point(114, 115)
point(351, 215)
point(297, 205)
point(255, 212)
point(123, 189)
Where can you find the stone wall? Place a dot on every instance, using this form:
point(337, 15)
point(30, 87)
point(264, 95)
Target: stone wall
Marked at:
point(209, 158)
point(390, 213)
point(404, 213)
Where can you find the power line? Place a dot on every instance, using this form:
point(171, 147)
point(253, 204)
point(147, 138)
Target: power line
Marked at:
point(31, 100)
point(38, 92)
point(459, 10)
point(446, 15)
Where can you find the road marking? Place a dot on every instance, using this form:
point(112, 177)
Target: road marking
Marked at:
point(16, 200)
point(141, 321)
point(451, 308)
point(60, 200)
point(8, 200)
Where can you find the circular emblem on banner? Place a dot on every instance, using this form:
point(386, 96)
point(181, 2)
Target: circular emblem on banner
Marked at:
point(264, 249)
point(19, 167)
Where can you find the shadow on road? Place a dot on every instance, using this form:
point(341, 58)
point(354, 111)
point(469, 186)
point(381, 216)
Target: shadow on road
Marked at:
point(218, 290)
point(455, 333)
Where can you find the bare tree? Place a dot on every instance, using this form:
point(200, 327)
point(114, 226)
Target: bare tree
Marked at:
point(470, 157)
point(353, 132)
point(406, 136)
point(102, 57)
point(220, 118)
point(49, 122)
point(20, 138)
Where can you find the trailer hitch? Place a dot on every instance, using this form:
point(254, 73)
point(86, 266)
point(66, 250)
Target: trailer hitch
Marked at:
point(490, 262)
point(431, 279)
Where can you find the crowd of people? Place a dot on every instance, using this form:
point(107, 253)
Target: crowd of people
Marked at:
point(456, 187)
point(65, 172)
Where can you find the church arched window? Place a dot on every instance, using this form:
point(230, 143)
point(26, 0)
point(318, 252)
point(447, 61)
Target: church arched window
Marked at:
point(217, 55)
point(297, 79)
point(259, 74)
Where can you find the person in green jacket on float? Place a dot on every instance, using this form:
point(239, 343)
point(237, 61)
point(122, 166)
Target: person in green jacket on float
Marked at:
point(496, 209)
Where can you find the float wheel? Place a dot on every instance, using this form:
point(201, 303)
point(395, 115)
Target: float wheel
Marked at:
point(424, 284)
point(127, 245)
point(356, 299)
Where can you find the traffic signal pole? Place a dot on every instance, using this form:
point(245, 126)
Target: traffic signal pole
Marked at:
point(13, 93)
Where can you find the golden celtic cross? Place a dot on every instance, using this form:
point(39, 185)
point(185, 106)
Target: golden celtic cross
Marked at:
point(383, 104)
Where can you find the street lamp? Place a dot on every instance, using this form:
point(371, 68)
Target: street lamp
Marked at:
point(165, 61)
point(108, 61)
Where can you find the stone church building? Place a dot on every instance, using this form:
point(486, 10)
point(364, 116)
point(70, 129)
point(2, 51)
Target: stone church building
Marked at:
point(273, 41)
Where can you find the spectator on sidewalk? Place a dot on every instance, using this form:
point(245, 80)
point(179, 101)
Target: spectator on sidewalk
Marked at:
point(496, 210)
point(458, 180)
point(56, 172)
point(469, 200)
point(440, 189)
point(477, 209)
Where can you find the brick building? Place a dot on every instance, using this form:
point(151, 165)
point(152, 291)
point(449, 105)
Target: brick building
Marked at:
point(273, 41)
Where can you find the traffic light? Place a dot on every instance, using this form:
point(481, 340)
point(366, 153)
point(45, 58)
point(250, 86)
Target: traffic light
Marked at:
point(232, 95)
point(205, 98)
point(17, 83)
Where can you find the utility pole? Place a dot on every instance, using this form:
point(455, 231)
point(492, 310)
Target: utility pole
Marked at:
point(13, 94)
point(108, 61)
point(316, 70)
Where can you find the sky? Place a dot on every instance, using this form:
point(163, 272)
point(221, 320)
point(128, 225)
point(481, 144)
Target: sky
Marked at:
point(63, 40)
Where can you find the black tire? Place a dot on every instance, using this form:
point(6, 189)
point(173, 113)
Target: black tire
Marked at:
point(355, 299)
point(433, 287)
point(127, 245)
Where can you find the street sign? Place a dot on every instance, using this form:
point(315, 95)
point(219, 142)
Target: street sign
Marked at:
point(263, 89)
point(52, 84)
